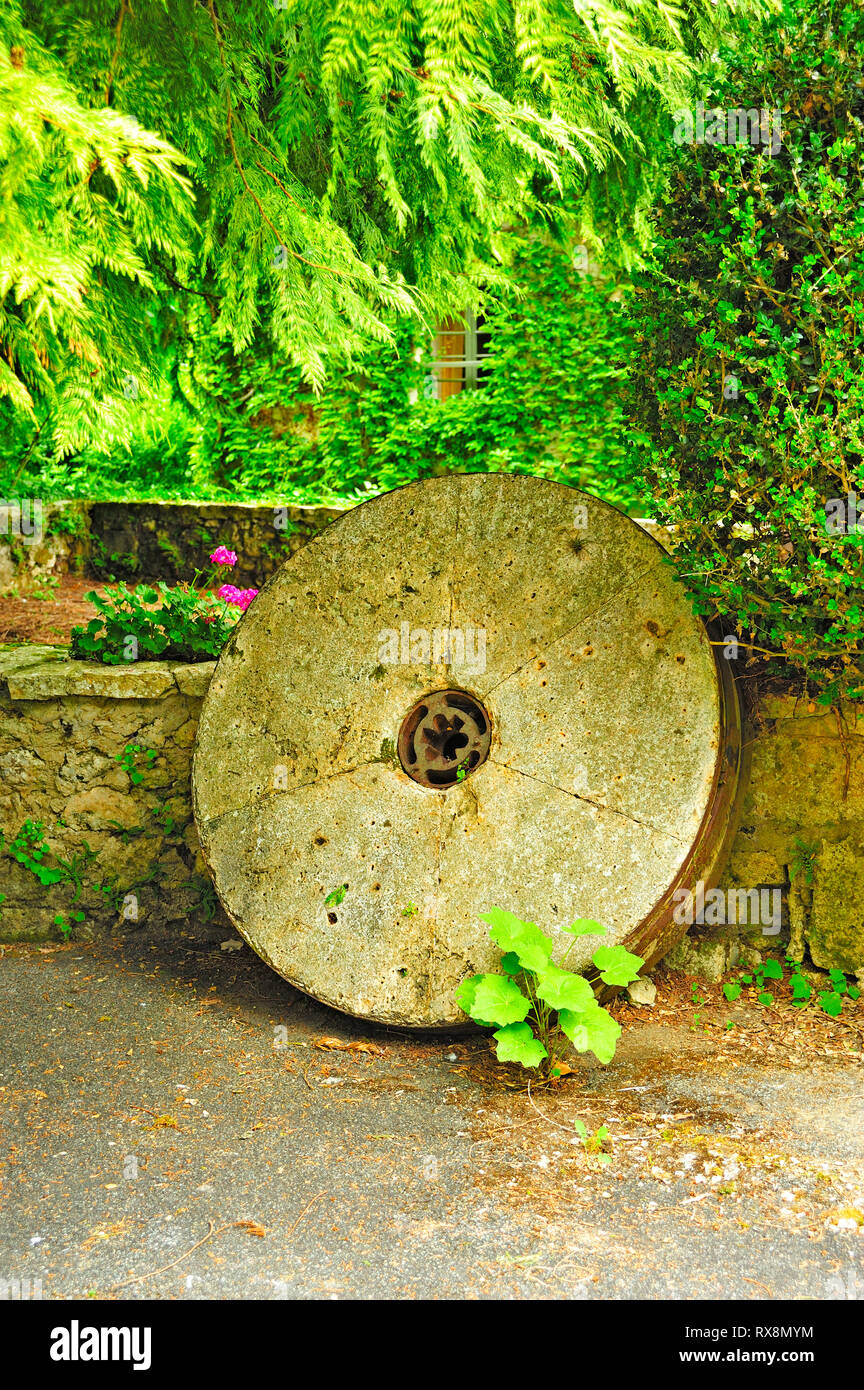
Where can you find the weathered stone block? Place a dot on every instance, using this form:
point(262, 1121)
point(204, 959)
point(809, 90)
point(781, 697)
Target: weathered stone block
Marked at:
point(835, 931)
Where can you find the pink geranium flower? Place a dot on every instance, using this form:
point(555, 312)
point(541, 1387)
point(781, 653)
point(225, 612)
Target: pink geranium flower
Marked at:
point(222, 556)
point(238, 598)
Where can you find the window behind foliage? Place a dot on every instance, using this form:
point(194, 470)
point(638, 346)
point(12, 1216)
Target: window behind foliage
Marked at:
point(459, 353)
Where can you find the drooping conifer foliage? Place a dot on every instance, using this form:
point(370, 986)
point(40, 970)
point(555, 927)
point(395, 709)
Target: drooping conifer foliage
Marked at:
point(307, 171)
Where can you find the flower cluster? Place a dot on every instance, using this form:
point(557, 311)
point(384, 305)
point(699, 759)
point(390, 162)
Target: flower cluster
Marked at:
point(238, 598)
point(184, 622)
point(223, 556)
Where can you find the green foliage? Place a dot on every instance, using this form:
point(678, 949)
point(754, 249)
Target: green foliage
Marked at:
point(204, 893)
point(801, 991)
point(293, 180)
point(334, 899)
point(187, 625)
point(535, 1004)
point(132, 754)
point(346, 161)
point(803, 860)
point(593, 1143)
point(550, 402)
point(30, 848)
point(551, 398)
point(757, 278)
point(89, 196)
point(67, 922)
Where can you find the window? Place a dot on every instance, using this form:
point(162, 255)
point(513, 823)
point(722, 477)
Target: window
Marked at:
point(459, 354)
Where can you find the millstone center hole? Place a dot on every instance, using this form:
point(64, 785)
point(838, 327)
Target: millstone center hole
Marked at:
point(443, 738)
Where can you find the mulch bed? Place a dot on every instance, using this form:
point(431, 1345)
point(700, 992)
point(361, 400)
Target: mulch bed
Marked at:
point(48, 621)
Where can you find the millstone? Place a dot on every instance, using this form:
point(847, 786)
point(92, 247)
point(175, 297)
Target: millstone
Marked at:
point(477, 690)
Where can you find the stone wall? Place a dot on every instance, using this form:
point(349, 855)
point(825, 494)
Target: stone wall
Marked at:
point(800, 825)
point(156, 540)
point(63, 726)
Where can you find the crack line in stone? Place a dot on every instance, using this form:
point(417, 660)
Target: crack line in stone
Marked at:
point(282, 791)
point(598, 805)
point(440, 840)
point(586, 617)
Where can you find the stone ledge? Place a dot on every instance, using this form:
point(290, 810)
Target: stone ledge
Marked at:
point(18, 658)
point(43, 673)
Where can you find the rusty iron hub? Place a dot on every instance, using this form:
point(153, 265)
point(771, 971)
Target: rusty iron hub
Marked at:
point(444, 738)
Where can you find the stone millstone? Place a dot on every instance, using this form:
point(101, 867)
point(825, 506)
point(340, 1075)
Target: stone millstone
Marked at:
point(555, 619)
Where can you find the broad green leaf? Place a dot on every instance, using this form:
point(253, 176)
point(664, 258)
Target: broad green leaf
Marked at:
point(584, 926)
point(617, 966)
point(591, 1030)
point(766, 997)
point(562, 989)
point(516, 1043)
point(497, 999)
point(465, 996)
point(732, 989)
point(772, 970)
point(510, 963)
point(580, 1128)
point(520, 938)
point(800, 988)
point(832, 1003)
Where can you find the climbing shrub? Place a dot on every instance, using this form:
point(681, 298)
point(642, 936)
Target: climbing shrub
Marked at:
point(248, 428)
point(748, 396)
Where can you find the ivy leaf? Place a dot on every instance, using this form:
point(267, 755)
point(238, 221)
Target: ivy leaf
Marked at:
point(520, 938)
point(832, 1003)
point(562, 989)
point(583, 926)
point(591, 1030)
point(48, 876)
point(495, 999)
point(617, 966)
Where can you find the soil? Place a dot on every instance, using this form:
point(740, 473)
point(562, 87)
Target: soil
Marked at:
point(48, 621)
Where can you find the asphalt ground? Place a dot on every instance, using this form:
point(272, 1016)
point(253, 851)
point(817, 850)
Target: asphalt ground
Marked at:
point(182, 1124)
